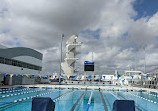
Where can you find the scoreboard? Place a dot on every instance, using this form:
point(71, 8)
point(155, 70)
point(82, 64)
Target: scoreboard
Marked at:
point(88, 66)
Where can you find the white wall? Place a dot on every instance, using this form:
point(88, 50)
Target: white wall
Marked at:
point(28, 80)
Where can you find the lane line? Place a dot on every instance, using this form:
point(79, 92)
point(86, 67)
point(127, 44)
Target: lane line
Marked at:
point(74, 106)
point(105, 106)
point(107, 101)
point(114, 95)
point(62, 96)
point(81, 102)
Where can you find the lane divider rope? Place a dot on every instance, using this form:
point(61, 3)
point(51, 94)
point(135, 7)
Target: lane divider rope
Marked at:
point(152, 94)
point(19, 100)
point(89, 101)
point(4, 96)
point(8, 89)
point(144, 98)
point(4, 92)
point(27, 98)
point(148, 93)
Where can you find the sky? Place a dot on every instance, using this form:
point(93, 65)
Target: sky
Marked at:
point(122, 34)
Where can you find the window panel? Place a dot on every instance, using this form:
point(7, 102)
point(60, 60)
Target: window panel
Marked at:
point(19, 64)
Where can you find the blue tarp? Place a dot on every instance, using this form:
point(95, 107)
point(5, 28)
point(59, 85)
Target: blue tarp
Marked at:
point(124, 105)
point(42, 104)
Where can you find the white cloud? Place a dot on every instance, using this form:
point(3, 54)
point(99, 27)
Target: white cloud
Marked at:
point(38, 24)
point(144, 31)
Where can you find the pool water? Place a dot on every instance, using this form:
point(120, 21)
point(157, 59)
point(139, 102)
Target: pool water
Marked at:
point(76, 100)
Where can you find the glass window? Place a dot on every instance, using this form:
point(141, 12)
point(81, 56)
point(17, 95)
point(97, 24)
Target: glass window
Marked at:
point(19, 64)
point(14, 63)
point(1, 60)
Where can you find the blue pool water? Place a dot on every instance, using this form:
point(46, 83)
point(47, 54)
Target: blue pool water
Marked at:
point(76, 100)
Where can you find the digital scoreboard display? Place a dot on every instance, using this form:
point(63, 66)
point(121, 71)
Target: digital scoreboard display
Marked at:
point(88, 66)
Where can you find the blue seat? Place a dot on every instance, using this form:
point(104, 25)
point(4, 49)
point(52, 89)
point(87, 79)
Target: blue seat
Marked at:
point(124, 105)
point(42, 104)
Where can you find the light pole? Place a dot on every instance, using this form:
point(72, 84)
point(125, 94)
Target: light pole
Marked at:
point(92, 56)
point(144, 60)
point(92, 71)
point(135, 61)
point(62, 36)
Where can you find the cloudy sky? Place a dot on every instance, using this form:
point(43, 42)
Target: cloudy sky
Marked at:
point(122, 34)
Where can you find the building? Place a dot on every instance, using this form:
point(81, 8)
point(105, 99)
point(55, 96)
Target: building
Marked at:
point(17, 62)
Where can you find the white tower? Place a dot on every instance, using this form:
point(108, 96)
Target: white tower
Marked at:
point(68, 66)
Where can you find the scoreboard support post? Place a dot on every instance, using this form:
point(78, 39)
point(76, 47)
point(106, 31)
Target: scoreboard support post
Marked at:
point(89, 66)
point(85, 75)
point(93, 75)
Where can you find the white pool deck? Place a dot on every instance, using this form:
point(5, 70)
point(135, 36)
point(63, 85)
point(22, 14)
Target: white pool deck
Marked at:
point(129, 88)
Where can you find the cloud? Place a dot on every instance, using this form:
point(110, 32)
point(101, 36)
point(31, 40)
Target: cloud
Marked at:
point(144, 31)
point(106, 27)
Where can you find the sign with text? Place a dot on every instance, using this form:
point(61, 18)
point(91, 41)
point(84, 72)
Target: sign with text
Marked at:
point(88, 66)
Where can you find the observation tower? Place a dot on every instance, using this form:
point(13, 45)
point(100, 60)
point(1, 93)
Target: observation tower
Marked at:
point(68, 66)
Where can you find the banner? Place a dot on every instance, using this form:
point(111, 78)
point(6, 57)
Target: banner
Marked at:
point(104, 77)
point(5, 75)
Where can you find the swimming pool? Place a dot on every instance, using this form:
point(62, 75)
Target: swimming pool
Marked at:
point(75, 99)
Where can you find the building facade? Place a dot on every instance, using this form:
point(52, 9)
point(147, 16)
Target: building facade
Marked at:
point(19, 61)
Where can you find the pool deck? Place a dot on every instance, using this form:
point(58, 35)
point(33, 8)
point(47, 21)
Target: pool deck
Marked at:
point(126, 88)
